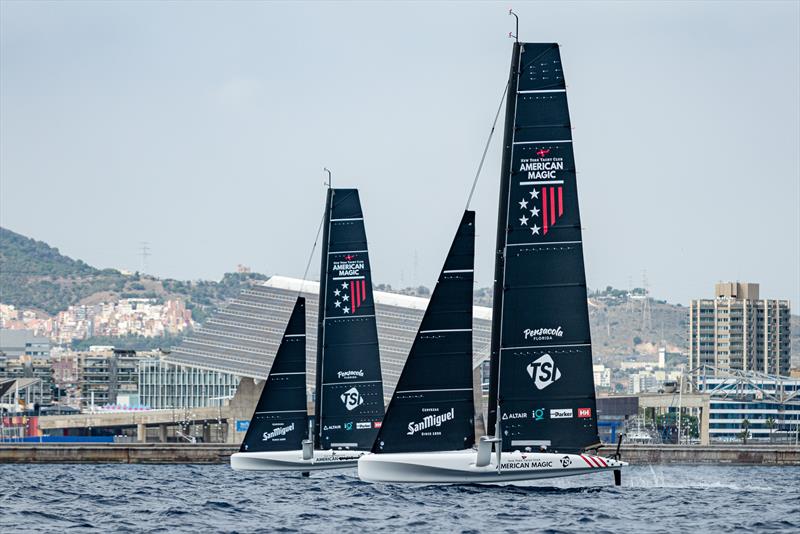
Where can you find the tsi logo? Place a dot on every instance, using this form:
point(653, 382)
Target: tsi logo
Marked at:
point(565, 413)
point(565, 461)
point(543, 371)
point(352, 399)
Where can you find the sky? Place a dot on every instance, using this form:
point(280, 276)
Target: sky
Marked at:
point(202, 129)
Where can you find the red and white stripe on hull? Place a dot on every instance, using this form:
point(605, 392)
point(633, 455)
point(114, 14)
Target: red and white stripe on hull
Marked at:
point(594, 461)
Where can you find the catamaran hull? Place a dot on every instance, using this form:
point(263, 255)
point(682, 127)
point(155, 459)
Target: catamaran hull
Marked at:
point(458, 467)
point(293, 460)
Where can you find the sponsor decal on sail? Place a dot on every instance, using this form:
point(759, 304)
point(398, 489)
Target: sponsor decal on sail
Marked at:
point(543, 371)
point(352, 399)
point(351, 293)
point(363, 425)
point(332, 427)
point(347, 375)
point(518, 415)
point(348, 426)
point(277, 432)
point(431, 421)
point(538, 414)
point(542, 334)
point(561, 413)
point(584, 412)
point(543, 204)
point(377, 424)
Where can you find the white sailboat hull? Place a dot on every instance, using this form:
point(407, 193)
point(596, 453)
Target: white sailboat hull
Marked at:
point(458, 467)
point(293, 460)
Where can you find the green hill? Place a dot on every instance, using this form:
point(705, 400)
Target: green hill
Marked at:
point(35, 275)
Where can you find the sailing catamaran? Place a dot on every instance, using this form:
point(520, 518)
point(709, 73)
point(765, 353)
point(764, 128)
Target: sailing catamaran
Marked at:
point(541, 396)
point(349, 399)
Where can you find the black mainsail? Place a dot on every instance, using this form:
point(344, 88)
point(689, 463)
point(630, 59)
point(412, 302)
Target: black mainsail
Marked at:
point(349, 399)
point(432, 407)
point(279, 421)
point(541, 356)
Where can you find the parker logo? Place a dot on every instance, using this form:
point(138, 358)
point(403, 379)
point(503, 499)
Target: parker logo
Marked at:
point(352, 399)
point(538, 334)
point(543, 371)
point(584, 413)
point(347, 375)
point(363, 425)
point(278, 432)
point(564, 413)
point(431, 421)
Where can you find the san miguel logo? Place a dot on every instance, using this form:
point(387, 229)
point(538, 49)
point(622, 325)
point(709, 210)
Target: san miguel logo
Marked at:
point(543, 204)
point(430, 421)
point(277, 433)
point(350, 285)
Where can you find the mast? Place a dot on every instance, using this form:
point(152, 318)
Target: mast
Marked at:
point(349, 400)
point(279, 420)
point(432, 408)
point(541, 380)
point(323, 286)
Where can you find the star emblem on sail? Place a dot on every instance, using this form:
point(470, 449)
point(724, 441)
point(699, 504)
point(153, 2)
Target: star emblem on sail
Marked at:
point(549, 210)
point(350, 295)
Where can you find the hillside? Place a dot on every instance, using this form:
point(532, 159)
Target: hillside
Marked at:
point(34, 275)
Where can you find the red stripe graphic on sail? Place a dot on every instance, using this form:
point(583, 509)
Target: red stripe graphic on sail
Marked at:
point(560, 202)
point(352, 299)
point(363, 291)
point(544, 210)
point(358, 293)
point(552, 207)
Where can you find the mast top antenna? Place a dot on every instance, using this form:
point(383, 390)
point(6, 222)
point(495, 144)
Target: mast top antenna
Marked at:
point(514, 35)
point(329, 183)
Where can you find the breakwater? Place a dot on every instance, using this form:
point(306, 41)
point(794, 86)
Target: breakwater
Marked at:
point(213, 453)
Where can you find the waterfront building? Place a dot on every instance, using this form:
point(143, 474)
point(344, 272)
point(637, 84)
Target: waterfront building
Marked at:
point(767, 407)
point(242, 337)
point(602, 377)
point(164, 385)
point(737, 330)
point(17, 343)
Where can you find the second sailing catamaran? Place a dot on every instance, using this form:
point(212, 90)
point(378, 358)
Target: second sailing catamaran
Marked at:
point(541, 395)
point(349, 387)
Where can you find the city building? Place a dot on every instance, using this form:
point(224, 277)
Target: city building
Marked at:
point(103, 375)
point(164, 385)
point(25, 355)
point(737, 330)
point(16, 343)
point(602, 376)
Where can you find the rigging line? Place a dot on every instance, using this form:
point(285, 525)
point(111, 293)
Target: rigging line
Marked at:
point(313, 248)
point(488, 142)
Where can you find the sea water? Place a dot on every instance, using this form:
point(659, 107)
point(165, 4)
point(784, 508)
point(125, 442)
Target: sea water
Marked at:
point(213, 498)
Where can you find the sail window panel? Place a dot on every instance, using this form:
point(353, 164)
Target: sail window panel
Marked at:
point(554, 315)
point(542, 117)
point(439, 362)
point(346, 204)
point(346, 236)
point(540, 67)
point(545, 266)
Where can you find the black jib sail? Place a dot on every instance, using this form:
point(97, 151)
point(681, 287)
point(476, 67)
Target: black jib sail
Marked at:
point(432, 407)
point(349, 400)
point(541, 363)
point(279, 421)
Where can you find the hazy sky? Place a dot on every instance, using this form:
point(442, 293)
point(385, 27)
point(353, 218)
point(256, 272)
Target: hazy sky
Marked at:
point(203, 128)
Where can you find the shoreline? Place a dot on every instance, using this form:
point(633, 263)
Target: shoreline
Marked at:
point(219, 453)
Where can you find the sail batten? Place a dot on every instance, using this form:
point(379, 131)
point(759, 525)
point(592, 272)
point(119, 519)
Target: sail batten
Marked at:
point(279, 419)
point(349, 399)
point(432, 408)
point(541, 379)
